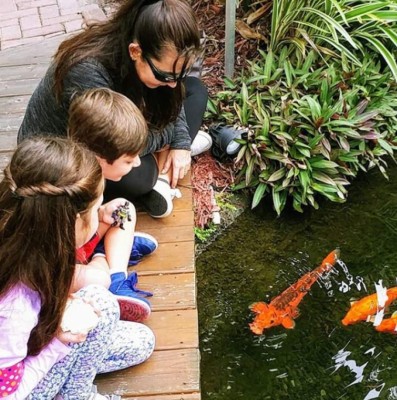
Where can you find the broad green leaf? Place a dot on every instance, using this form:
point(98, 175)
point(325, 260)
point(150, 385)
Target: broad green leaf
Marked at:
point(356, 12)
point(304, 179)
point(323, 164)
point(275, 176)
point(315, 141)
point(268, 65)
point(319, 176)
point(249, 171)
point(229, 83)
point(288, 72)
point(258, 195)
point(276, 201)
point(385, 145)
point(211, 106)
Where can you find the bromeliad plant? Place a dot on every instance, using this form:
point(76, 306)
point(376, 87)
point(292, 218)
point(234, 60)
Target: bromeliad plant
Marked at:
point(312, 127)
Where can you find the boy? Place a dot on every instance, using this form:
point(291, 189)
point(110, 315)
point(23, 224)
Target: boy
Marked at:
point(111, 126)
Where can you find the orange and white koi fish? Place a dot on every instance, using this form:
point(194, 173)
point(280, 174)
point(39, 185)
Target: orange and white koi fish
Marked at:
point(284, 308)
point(388, 325)
point(364, 308)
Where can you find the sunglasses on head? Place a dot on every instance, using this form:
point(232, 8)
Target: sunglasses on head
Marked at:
point(166, 77)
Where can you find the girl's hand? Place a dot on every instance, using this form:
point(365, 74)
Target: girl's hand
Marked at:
point(80, 316)
point(179, 161)
point(69, 337)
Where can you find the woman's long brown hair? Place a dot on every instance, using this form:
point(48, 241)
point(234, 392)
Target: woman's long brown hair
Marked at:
point(47, 183)
point(155, 25)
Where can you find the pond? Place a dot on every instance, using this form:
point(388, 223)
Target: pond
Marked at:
point(259, 257)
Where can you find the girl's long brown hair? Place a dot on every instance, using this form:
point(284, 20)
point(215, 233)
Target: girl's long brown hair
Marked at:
point(47, 183)
point(155, 26)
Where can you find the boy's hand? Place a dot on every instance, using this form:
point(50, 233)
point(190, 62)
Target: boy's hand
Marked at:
point(106, 211)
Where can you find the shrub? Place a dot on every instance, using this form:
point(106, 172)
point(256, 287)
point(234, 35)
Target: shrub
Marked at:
point(312, 127)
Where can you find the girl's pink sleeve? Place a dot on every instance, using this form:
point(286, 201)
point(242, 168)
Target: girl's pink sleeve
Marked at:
point(18, 316)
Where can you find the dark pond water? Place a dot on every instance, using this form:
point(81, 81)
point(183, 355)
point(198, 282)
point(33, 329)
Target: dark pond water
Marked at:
point(258, 258)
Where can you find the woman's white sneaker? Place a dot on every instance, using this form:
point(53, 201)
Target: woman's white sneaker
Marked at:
point(201, 143)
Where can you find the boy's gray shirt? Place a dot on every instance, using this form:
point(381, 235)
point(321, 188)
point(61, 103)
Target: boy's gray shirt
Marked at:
point(44, 115)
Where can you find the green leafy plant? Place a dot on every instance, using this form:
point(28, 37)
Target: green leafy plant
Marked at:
point(335, 27)
point(204, 234)
point(312, 125)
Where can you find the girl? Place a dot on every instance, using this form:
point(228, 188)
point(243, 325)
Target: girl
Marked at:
point(49, 202)
point(144, 52)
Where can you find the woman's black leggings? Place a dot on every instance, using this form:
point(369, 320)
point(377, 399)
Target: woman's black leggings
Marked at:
point(142, 179)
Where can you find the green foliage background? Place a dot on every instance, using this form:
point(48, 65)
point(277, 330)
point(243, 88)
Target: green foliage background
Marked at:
point(319, 103)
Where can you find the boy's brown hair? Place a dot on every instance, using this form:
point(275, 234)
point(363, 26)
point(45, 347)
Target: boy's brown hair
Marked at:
point(108, 123)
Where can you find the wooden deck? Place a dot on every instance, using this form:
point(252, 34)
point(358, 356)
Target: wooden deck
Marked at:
point(172, 373)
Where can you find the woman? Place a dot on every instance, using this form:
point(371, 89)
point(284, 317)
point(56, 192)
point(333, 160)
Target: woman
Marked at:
point(49, 202)
point(145, 52)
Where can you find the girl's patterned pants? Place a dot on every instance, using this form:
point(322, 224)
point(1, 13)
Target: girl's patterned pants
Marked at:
point(111, 346)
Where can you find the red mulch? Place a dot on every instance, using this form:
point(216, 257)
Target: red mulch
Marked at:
point(211, 18)
point(208, 176)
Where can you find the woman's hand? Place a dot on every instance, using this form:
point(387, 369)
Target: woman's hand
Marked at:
point(179, 162)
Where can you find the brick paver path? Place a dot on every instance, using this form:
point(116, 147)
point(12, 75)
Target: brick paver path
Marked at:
point(30, 21)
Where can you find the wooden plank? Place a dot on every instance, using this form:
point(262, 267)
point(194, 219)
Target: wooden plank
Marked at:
point(171, 234)
point(4, 160)
point(19, 88)
point(177, 218)
point(11, 122)
point(8, 140)
point(169, 258)
point(185, 202)
point(37, 53)
point(178, 396)
point(174, 329)
point(172, 373)
point(171, 291)
point(13, 104)
point(19, 72)
point(166, 372)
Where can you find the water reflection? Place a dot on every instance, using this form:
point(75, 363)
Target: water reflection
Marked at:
point(258, 258)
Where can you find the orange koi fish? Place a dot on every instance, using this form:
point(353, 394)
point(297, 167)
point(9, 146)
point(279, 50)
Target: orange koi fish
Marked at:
point(284, 308)
point(388, 325)
point(362, 309)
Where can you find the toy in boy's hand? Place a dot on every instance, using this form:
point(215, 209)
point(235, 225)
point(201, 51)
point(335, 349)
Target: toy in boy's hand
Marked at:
point(121, 214)
point(79, 317)
point(284, 308)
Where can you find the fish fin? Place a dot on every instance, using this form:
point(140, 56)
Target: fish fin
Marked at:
point(255, 329)
point(258, 307)
point(394, 315)
point(353, 302)
point(370, 318)
point(288, 323)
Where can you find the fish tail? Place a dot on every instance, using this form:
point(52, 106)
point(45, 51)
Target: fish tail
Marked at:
point(329, 261)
